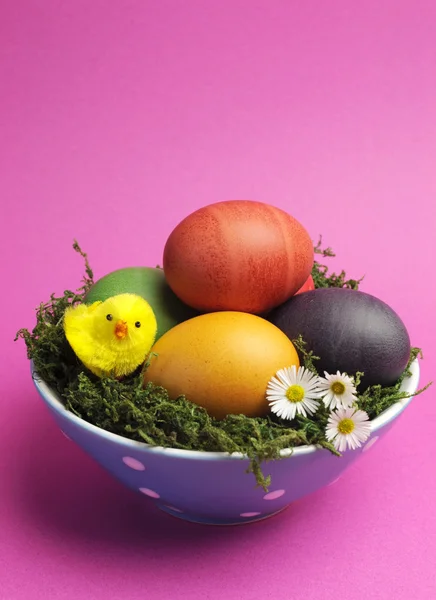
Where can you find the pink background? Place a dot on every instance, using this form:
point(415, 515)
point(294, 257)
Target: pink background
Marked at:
point(117, 119)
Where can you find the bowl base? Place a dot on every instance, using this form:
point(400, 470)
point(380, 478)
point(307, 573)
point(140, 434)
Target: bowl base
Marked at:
point(219, 522)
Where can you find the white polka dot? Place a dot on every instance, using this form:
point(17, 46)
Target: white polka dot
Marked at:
point(370, 444)
point(68, 437)
point(249, 514)
point(134, 464)
point(334, 481)
point(149, 493)
point(173, 508)
point(274, 495)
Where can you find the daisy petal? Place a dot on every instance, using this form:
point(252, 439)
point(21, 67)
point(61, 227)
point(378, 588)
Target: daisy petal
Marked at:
point(287, 406)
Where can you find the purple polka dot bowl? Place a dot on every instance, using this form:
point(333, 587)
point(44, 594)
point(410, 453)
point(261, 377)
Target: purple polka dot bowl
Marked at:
point(214, 487)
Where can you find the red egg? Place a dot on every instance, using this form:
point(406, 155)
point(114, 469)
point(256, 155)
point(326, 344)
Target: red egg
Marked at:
point(237, 255)
point(307, 286)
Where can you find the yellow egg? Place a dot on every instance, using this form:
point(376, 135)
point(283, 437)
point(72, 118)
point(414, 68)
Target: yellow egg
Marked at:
point(221, 361)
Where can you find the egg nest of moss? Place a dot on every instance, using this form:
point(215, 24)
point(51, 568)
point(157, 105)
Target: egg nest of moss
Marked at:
point(147, 414)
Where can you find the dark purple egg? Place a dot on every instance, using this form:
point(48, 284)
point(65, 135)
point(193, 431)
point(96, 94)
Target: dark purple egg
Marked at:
point(350, 331)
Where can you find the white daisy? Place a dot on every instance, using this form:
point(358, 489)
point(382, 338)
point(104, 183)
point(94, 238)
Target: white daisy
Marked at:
point(338, 390)
point(348, 427)
point(292, 392)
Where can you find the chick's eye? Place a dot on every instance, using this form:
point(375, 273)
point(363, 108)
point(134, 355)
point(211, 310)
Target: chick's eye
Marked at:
point(137, 324)
point(109, 317)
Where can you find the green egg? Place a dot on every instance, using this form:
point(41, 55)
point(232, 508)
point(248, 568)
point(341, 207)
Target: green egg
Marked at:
point(150, 283)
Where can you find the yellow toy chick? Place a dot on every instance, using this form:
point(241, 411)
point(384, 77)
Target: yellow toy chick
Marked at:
point(111, 338)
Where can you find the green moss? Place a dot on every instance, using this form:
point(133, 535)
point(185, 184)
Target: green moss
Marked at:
point(149, 415)
point(321, 276)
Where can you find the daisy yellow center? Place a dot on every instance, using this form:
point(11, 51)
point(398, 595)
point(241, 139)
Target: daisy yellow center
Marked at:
point(295, 393)
point(338, 388)
point(346, 426)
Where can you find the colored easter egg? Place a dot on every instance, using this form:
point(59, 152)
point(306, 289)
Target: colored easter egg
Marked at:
point(237, 255)
point(221, 361)
point(149, 283)
point(350, 331)
point(307, 286)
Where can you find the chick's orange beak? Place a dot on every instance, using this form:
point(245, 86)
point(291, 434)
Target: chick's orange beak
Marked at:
point(121, 329)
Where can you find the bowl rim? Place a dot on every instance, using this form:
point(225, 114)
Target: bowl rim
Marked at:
point(53, 401)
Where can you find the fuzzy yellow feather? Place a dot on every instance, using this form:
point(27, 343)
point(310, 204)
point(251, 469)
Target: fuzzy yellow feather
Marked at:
point(114, 337)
